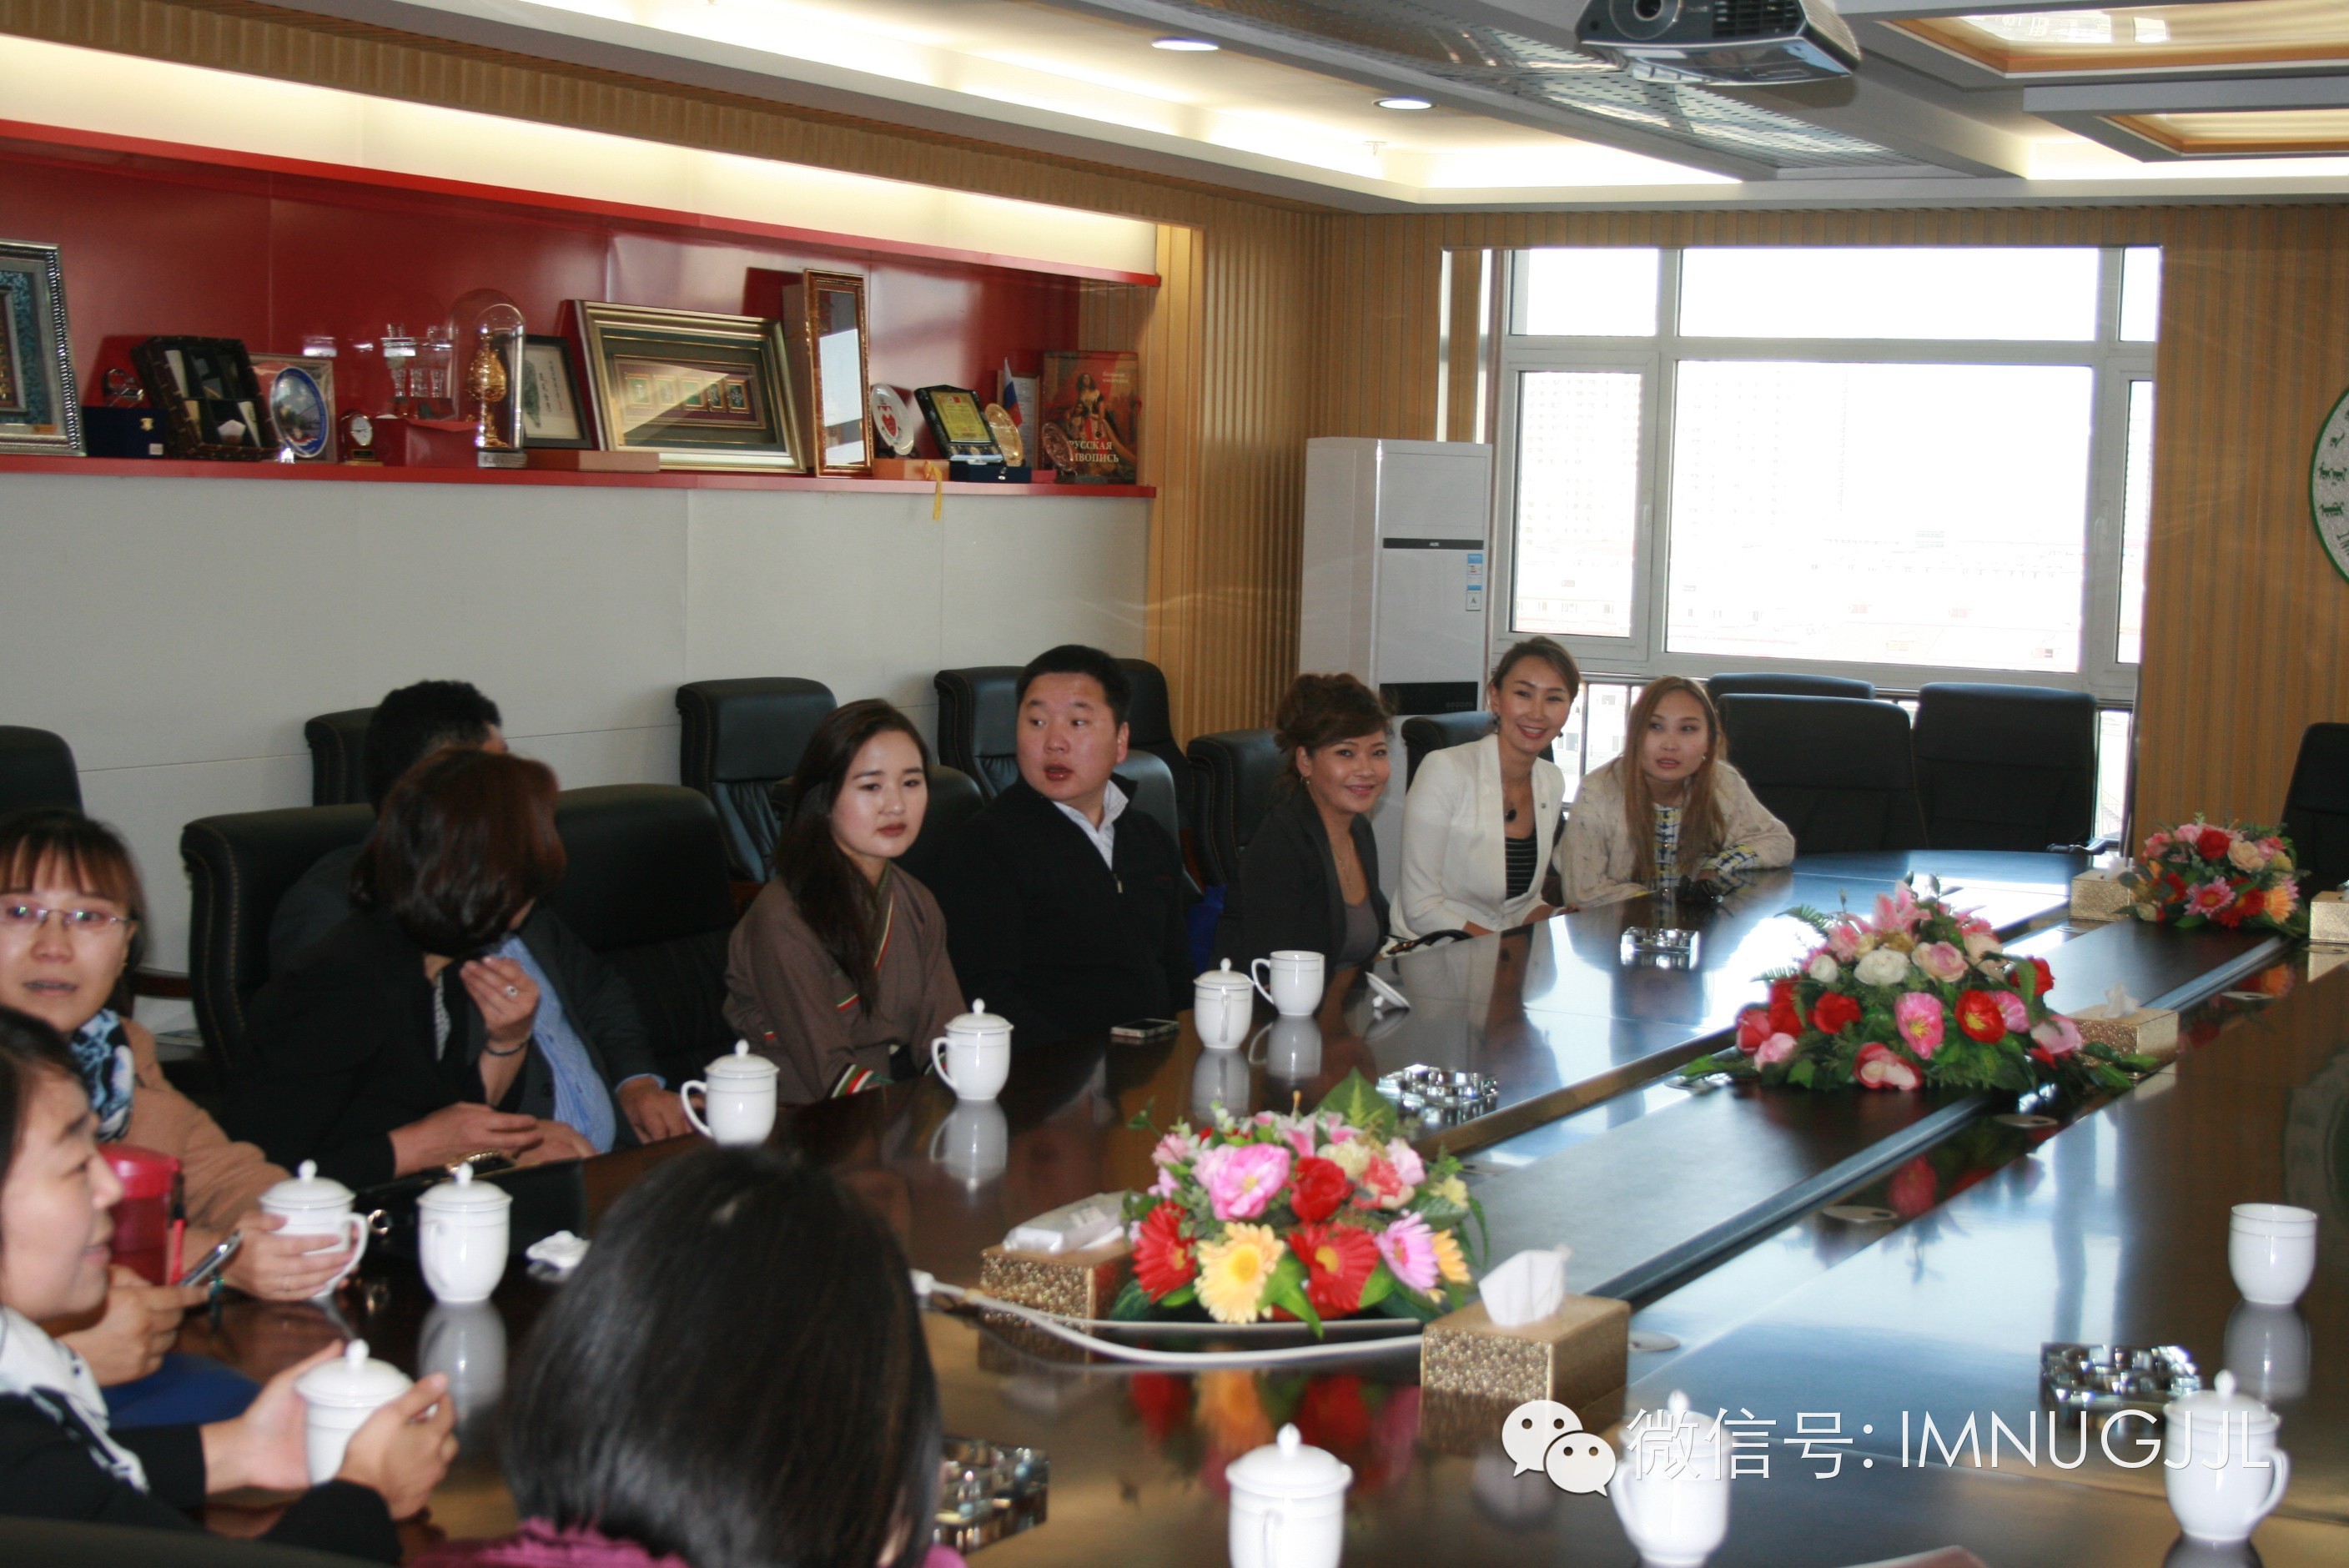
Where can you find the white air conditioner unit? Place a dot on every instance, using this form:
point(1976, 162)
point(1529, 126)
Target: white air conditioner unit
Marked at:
point(1721, 43)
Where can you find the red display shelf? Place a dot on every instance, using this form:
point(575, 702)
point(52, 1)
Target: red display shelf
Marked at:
point(363, 473)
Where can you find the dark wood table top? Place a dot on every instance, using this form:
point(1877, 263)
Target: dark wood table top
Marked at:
point(2103, 1229)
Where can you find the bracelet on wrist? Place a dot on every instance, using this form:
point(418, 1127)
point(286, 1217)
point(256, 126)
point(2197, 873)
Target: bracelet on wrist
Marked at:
point(489, 1050)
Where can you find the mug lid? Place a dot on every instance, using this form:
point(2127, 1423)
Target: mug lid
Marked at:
point(1226, 976)
point(461, 1194)
point(979, 1021)
point(305, 1189)
point(742, 1064)
point(1290, 1466)
point(352, 1381)
point(2222, 1403)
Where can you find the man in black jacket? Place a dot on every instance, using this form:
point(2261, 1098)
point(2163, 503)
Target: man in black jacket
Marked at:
point(1064, 908)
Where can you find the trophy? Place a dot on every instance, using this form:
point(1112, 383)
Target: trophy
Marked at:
point(493, 336)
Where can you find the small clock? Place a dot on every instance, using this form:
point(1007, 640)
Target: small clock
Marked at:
point(359, 438)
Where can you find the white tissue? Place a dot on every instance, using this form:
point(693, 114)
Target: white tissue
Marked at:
point(2112, 862)
point(1071, 1227)
point(562, 1252)
point(1527, 1288)
point(2117, 1004)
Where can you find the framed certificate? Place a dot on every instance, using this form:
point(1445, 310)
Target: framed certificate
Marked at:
point(957, 424)
point(40, 411)
point(552, 412)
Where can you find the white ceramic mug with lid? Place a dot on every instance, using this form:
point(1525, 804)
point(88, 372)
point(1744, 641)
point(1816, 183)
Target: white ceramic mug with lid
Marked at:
point(740, 1091)
point(974, 1056)
point(316, 1205)
point(1292, 982)
point(463, 1228)
point(2220, 1464)
point(1288, 1505)
point(1223, 1005)
point(1674, 1503)
point(339, 1396)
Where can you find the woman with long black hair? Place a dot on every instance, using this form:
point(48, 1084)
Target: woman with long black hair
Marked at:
point(839, 972)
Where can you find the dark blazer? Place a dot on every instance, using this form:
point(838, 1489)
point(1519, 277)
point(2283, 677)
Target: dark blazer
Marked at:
point(47, 1472)
point(1052, 938)
point(1285, 892)
point(340, 1053)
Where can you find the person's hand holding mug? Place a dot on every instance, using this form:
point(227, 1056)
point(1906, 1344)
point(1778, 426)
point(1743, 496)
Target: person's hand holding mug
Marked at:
point(272, 1266)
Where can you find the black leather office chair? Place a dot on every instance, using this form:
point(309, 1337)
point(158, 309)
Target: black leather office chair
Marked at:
point(739, 737)
point(646, 888)
point(1238, 769)
point(37, 768)
point(239, 866)
point(2005, 766)
point(1764, 684)
point(1837, 770)
point(2317, 807)
point(1426, 732)
point(338, 756)
point(975, 708)
point(1150, 722)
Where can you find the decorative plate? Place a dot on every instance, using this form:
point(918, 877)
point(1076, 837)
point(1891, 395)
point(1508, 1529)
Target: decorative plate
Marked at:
point(1007, 432)
point(1056, 446)
point(2328, 486)
point(892, 420)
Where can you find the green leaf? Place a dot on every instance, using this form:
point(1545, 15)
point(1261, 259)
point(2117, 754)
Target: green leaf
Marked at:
point(1141, 1121)
point(1355, 1098)
point(1377, 1287)
point(1411, 1303)
point(1183, 1295)
point(1132, 1303)
point(1801, 1073)
point(1286, 1290)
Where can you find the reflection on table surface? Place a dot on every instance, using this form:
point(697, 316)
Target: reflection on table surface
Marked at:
point(2105, 1229)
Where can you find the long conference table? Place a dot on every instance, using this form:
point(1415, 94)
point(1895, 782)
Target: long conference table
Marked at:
point(1811, 1265)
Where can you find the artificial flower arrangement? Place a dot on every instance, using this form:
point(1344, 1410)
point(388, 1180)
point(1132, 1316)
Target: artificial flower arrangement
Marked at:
point(1919, 996)
point(2200, 874)
point(1311, 1216)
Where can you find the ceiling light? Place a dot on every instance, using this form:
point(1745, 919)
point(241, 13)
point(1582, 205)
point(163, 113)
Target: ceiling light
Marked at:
point(1404, 103)
point(1186, 46)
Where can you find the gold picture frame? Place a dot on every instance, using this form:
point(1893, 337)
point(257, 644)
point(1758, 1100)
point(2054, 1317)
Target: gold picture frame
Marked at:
point(706, 391)
point(833, 339)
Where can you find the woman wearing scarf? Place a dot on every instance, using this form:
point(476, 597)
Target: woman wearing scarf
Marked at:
point(70, 908)
point(58, 1458)
point(423, 1030)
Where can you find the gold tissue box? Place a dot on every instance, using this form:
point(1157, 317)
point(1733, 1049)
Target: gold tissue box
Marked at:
point(1075, 1285)
point(2148, 1031)
point(1577, 1354)
point(2097, 896)
point(2328, 920)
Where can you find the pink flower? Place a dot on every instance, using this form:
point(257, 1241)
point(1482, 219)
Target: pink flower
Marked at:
point(1896, 911)
point(1167, 1186)
point(1241, 1179)
point(1408, 1248)
point(1919, 1018)
point(1879, 1068)
point(2058, 1034)
point(1382, 1185)
point(2209, 898)
point(1942, 961)
point(1777, 1048)
point(1405, 1160)
point(2154, 845)
point(1843, 941)
point(2011, 1009)
point(1176, 1148)
point(1980, 944)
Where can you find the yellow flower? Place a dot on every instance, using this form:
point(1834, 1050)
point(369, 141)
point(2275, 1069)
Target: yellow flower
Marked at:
point(1901, 941)
point(1234, 1272)
point(1453, 1191)
point(1352, 1157)
point(1448, 1261)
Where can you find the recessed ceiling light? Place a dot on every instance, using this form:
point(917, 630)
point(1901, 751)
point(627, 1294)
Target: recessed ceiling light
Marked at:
point(1186, 46)
point(1404, 103)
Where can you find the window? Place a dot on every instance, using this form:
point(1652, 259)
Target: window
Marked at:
point(1902, 464)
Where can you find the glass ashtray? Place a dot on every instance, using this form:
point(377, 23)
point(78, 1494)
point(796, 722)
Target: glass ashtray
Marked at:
point(1661, 947)
point(2105, 1377)
point(1441, 1097)
point(989, 1490)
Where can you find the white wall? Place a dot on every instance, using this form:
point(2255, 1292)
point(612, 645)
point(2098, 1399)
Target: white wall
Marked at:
point(177, 632)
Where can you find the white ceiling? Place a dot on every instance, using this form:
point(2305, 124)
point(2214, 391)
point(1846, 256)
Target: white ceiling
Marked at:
point(1280, 112)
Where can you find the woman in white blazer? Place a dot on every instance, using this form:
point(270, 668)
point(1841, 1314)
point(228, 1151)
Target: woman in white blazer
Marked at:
point(1481, 820)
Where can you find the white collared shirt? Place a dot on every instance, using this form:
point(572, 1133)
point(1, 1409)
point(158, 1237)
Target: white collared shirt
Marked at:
point(1104, 837)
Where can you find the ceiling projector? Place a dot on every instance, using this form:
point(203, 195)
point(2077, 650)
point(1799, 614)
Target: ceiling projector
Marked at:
point(1721, 43)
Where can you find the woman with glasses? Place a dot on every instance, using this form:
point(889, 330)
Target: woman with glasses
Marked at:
point(70, 907)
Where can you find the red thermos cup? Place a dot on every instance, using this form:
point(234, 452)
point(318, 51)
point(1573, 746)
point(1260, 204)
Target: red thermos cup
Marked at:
point(143, 1221)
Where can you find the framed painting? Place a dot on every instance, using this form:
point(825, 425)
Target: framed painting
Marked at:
point(40, 408)
point(552, 412)
point(705, 391)
point(299, 390)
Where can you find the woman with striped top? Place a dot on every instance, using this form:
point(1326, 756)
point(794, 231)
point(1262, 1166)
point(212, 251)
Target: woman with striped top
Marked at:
point(1670, 809)
point(839, 972)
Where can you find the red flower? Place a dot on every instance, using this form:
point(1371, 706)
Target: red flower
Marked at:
point(1163, 1257)
point(1320, 1186)
point(1831, 1012)
point(2046, 978)
point(1753, 1028)
point(1784, 1018)
point(1879, 1067)
point(2211, 843)
point(1338, 1263)
point(1979, 1017)
point(2252, 904)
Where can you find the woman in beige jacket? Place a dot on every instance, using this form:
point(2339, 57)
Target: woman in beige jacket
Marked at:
point(70, 904)
point(1670, 809)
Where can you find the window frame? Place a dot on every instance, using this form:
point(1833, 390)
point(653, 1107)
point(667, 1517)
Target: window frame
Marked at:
point(1645, 654)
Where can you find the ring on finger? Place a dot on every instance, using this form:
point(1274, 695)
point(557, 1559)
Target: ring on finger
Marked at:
point(514, 990)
